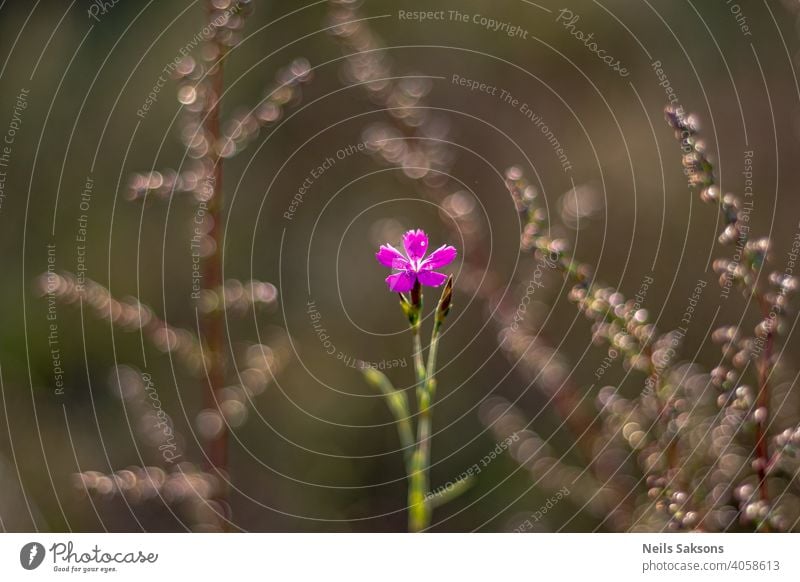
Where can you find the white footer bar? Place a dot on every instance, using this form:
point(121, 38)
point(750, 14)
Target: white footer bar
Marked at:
point(400, 557)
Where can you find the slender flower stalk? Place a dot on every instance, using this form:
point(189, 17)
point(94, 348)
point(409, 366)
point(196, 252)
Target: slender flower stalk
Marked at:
point(419, 505)
point(700, 455)
point(421, 514)
point(209, 140)
point(212, 322)
point(744, 272)
point(413, 270)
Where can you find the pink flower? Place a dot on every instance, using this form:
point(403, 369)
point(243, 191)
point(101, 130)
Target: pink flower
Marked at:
point(413, 266)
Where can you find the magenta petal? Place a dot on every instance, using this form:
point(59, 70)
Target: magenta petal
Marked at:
point(416, 244)
point(391, 257)
point(431, 278)
point(401, 282)
point(441, 257)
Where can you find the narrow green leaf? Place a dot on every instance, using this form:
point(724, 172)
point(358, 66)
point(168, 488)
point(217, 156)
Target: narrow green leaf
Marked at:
point(398, 405)
point(447, 494)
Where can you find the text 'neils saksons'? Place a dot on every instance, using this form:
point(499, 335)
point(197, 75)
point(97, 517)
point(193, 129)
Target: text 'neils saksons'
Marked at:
point(665, 548)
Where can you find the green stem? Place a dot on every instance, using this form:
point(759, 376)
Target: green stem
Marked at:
point(418, 517)
point(421, 514)
point(419, 369)
point(419, 366)
point(418, 509)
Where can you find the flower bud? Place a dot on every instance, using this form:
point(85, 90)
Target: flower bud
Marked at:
point(445, 301)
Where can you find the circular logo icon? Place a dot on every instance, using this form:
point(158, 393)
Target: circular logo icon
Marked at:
point(31, 555)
